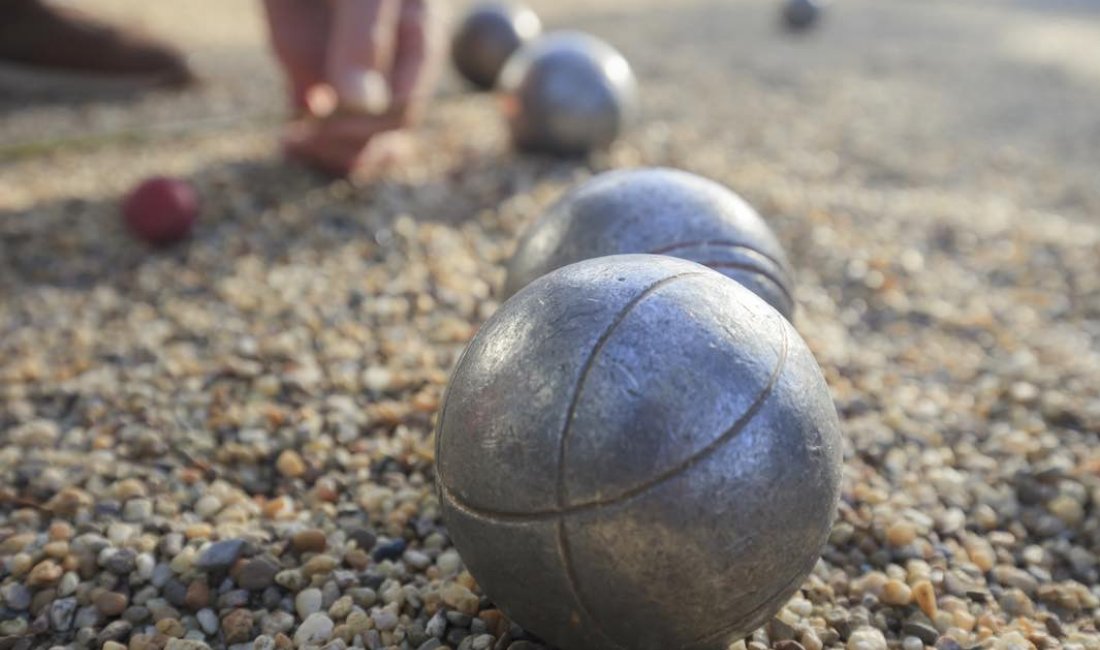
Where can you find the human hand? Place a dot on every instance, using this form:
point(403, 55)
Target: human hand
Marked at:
point(355, 69)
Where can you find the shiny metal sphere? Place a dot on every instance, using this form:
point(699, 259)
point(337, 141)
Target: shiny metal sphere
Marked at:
point(568, 93)
point(661, 211)
point(802, 14)
point(635, 452)
point(488, 36)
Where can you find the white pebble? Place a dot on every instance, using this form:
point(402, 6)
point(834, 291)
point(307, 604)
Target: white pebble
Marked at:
point(317, 628)
point(308, 602)
point(866, 638)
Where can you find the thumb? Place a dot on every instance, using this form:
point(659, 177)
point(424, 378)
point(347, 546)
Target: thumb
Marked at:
point(361, 52)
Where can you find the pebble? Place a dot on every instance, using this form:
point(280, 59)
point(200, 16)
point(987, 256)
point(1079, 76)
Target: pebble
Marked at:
point(896, 593)
point(416, 559)
point(186, 644)
point(170, 627)
point(927, 634)
point(277, 622)
point(437, 625)
point(901, 533)
point(390, 550)
point(460, 598)
point(219, 556)
point(207, 506)
point(114, 631)
point(111, 603)
point(44, 573)
point(61, 614)
point(15, 596)
point(364, 538)
point(340, 609)
point(925, 596)
point(1016, 603)
point(237, 626)
point(307, 602)
point(137, 510)
point(866, 638)
point(290, 579)
point(258, 573)
point(315, 629)
point(121, 562)
point(207, 620)
point(384, 619)
point(290, 464)
point(309, 541)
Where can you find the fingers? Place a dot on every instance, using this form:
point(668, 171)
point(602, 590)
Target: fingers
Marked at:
point(337, 144)
point(361, 52)
point(299, 32)
point(414, 39)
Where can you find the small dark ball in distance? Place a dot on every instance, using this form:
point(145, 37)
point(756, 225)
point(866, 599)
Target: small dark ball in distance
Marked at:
point(489, 34)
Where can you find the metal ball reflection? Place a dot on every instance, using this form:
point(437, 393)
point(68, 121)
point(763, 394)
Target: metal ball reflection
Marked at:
point(489, 34)
point(799, 15)
point(657, 210)
point(568, 93)
point(637, 452)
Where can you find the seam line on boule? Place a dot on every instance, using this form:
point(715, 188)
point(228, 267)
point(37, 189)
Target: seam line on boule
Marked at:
point(797, 578)
point(547, 514)
point(564, 551)
point(726, 243)
point(756, 269)
point(572, 582)
point(586, 368)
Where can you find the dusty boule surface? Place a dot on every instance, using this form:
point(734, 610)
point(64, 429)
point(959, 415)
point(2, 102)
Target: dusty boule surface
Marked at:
point(228, 443)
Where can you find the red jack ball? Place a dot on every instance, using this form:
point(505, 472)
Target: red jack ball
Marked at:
point(161, 210)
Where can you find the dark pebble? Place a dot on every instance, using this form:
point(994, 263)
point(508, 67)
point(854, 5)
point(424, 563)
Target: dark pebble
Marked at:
point(838, 620)
point(122, 563)
point(391, 550)
point(503, 642)
point(271, 598)
point(1054, 626)
point(258, 573)
point(136, 614)
point(116, 631)
point(415, 634)
point(926, 633)
point(780, 631)
point(107, 508)
point(458, 619)
point(455, 636)
point(372, 580)
point(233, 599)
point(977, 596)
point(219, 556)
point(175, 592)
point(363, 538)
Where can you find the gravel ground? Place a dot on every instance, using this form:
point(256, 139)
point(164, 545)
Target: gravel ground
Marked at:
point(228, 444)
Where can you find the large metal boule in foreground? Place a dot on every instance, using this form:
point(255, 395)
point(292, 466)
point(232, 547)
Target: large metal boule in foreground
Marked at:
point(636, 452)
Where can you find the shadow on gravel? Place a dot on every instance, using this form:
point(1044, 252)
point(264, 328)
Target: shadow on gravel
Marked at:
point(269, 208)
